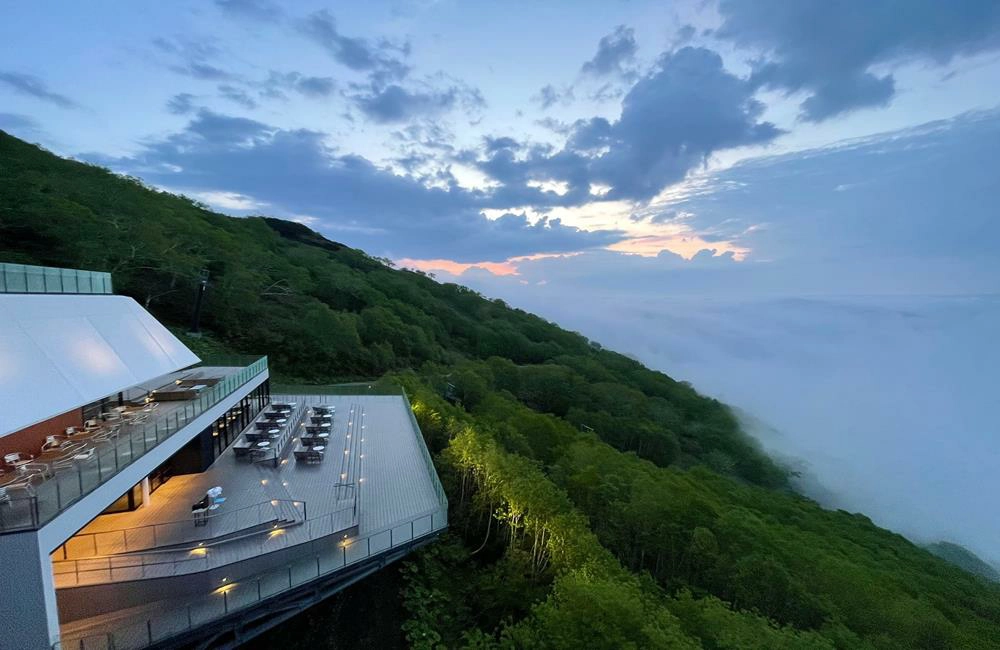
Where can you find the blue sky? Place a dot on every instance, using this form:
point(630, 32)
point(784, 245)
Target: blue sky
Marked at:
point(463, 137)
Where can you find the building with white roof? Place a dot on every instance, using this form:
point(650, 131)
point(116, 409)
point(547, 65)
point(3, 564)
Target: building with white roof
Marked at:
point(149, 498)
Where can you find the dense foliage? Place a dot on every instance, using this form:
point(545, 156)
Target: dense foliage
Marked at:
point(594, 503)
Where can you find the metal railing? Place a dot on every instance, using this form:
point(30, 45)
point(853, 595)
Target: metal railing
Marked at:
point(173, 533)
point(169, 563)
point(425, 454)
point(25, 278)
point(326, 556)
point(379, 387)
point(61, 488)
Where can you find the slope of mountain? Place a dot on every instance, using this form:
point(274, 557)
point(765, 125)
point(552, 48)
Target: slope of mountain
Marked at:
point(964, 558)
point(594, 502)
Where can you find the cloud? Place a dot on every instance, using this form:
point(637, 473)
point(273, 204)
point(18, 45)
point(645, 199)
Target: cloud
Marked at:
point(671, 120)
point(32, 86)
point(203, 71)
point(836, 53)
point(18, 122)
point(393, 103)
point(237, 95)
point(297, 173)
point(548, 96)
point(181, 104)
point(381, 60)
point(925, 194)
point(260, 10)
point(193, 56)
point(615, 52)
point(309, 86)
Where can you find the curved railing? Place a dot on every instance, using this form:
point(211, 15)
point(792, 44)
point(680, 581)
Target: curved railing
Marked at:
point(172, 533)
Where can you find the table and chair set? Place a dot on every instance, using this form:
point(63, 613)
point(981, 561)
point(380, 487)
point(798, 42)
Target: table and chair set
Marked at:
point(263, 439)
point(312, 444)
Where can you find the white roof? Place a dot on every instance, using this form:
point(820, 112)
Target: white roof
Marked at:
point(59, 352)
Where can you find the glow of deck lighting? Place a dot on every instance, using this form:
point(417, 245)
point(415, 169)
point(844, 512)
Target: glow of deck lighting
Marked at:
point(343, 476)
point(263, 481)
point(275, 533)
point(362, 455)
point(361, 480)
point(274, 502)
point(284, 483)
point(225, 588)
point(284, 461)
point(201, 543)
point(199, 552)
point(346, 451)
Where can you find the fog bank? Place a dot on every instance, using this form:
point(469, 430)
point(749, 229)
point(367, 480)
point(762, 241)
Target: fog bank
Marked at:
point(889, 403)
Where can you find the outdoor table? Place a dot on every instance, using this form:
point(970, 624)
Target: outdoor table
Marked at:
point(263, 443)
point(319, 448)
point(273, 432)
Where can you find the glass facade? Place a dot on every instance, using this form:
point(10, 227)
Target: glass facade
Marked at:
point(226, 429)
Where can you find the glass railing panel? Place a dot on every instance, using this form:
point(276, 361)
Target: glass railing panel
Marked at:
point(58, 492)
point(15, 281)
point(26, 278)
point(34, 279)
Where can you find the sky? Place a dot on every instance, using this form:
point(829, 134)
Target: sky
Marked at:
point(723, 188)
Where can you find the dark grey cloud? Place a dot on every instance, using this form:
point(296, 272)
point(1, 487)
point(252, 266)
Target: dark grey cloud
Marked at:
point(492, 144)
point(382, 60)
point(615, 54)
point(261, 10)
point(353, 199)
point(237, 95)
point(832, 50)
point(394, 103)
point(672, 119)
point(181, 104)
point(32, 86)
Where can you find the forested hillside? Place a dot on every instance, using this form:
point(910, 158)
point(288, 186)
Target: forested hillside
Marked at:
point(594, 503)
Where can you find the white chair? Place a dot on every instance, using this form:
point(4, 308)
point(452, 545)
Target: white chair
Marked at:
point(17, 459)
point(53, 442)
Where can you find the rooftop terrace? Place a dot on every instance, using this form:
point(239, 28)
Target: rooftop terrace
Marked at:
point(55, 479)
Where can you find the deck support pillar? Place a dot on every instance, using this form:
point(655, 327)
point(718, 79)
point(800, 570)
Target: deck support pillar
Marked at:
point(29, 616)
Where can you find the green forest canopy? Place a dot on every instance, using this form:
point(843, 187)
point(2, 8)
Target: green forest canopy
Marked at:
point(594, 502)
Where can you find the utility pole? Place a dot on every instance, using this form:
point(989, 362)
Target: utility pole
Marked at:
point(196, 318)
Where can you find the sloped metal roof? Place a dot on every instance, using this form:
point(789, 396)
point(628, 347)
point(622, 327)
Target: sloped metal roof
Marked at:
point(59, 352)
